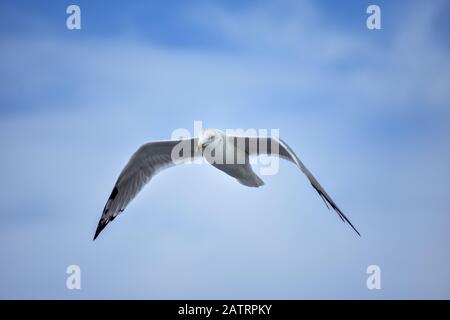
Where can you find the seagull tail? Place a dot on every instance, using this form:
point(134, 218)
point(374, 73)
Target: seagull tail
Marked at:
point(252, 181)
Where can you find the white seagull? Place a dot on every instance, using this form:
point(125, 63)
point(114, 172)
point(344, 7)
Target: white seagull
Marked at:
point(229, 154)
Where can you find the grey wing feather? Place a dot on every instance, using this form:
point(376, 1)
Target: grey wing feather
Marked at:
point(147, 161)
point(272, 146)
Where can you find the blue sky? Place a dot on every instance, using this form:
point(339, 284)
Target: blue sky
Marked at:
point(367, 111)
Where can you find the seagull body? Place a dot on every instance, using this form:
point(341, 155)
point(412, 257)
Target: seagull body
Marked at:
point(224, 153)
point(229, 154)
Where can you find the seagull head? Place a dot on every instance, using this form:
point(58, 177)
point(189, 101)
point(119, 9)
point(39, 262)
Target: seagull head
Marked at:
point(210, 137)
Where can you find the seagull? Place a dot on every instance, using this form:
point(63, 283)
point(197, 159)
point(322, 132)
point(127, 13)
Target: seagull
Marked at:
point(230, 154)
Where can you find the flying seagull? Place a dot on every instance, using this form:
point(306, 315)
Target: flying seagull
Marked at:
point(227, 153)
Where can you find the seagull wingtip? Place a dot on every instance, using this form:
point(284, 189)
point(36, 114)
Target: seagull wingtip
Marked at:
point(357, 232)
point(100, 227)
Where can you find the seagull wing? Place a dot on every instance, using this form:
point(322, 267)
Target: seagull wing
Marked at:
point(272, 146)
point(147, 161)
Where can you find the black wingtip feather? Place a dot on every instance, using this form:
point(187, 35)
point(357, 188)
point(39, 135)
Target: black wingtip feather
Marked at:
point(97, 232)
point(346, 219)
point(102, 224)
point(334, 206)
point(114, 193)
point(324, 201)
point(100, 227)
